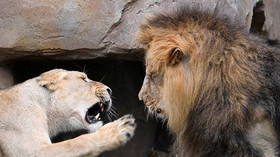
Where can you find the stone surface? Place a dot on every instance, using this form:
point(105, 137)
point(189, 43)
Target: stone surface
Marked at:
point(6, 78)
point(84, 29)
point(272, 19)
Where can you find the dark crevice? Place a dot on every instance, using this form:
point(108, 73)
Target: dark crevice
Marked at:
point(257, 24)
point(258, 19)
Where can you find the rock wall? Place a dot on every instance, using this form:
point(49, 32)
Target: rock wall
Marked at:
point(85, 29)
point(272, 22)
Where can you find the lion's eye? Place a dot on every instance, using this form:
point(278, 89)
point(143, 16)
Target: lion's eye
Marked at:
point(153, 76)
point(150, 76)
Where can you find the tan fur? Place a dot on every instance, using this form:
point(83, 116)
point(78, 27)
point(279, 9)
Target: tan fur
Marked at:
point(211, 86)
point(57, 101)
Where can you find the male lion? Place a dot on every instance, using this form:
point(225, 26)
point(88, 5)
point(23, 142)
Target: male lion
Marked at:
point(56, 101)
point(218, 88)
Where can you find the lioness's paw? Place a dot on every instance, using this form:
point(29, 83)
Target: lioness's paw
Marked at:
point(127, 126)
point(120, 131)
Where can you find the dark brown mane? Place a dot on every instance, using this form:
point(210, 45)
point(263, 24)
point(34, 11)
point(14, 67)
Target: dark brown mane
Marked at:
point(204, 19)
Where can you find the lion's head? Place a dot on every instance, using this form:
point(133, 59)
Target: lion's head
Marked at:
point(75, 100)
point(185, 59)
point(212, 81)
point(171, 77)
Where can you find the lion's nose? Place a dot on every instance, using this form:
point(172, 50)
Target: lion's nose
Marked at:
point(140, 96)
point(109, 91)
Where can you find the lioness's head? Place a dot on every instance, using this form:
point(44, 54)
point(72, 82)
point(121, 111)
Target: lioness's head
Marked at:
point(75, 100)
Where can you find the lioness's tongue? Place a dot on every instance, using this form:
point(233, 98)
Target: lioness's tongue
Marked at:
point(90, 119)
point(93, 114)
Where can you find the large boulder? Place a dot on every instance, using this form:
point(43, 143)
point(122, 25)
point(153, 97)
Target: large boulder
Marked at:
point(272, 19)
point(84, 29)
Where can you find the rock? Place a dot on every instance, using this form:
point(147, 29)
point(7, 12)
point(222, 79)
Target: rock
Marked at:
point(123, 35)
point(85, 29)
point(272, 19)
point(6, 79)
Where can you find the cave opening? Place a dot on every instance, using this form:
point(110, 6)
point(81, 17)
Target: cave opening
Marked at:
point(258, 19)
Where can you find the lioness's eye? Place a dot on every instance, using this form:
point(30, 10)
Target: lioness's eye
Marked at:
point(85, 79)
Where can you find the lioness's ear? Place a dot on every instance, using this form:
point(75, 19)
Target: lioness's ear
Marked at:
point(175, 56)
point(50, 79)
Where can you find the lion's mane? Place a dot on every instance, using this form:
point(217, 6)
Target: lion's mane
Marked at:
point(227, 82)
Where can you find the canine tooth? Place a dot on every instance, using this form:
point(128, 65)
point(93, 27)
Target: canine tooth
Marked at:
point(102, 107)
point(97, 116)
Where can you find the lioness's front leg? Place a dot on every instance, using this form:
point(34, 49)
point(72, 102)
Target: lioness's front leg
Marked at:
point(110, 136)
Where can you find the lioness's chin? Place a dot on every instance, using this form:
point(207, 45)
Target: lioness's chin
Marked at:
point(94, 127)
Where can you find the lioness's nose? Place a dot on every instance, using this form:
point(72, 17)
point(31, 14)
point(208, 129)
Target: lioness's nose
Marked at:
point(107, 103)
point(109, 91)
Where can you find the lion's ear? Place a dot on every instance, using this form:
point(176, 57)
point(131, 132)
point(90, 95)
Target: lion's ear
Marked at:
point(175, 56)
point(51, 78)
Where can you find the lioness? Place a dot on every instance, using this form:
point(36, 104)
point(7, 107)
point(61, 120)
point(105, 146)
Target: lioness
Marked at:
point(56, 101)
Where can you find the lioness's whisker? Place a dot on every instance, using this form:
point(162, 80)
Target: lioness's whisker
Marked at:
point(113, 97)
point(113, 113)
point(84, 69)
point(109, 116)
point(103, 77)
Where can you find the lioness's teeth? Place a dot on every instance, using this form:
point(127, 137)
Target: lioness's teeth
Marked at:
point(97, 116)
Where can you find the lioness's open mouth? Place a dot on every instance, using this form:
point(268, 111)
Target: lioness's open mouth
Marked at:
point(95, 113)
